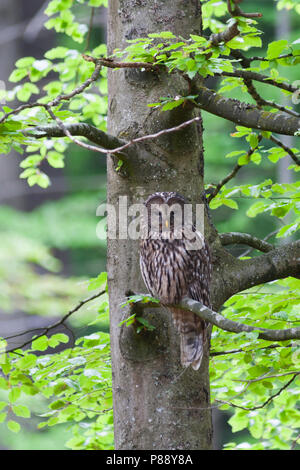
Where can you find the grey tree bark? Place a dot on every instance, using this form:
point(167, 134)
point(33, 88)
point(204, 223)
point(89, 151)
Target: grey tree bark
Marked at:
point(156, 404)
point(155, 407)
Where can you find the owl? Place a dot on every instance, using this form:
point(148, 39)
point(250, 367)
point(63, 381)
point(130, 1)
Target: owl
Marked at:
point(175, 262)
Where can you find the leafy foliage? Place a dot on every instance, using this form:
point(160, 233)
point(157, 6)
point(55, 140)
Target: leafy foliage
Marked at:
point(254, 381)
point(77, 382)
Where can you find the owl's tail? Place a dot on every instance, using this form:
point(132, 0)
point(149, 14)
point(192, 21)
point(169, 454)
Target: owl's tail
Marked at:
point(192, 332)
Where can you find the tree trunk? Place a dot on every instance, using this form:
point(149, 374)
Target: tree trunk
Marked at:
point(156, 406)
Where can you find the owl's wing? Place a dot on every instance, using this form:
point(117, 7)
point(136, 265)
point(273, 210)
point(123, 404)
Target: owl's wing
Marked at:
point(193, 330)
point(200, 273)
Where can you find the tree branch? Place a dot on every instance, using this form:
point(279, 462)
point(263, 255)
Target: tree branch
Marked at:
point(236, 10)
point(231, 326)
point(248, 74)
point(262, 405)
point(235, 275)
point(286, 148)
point(112, 64)
point(46, 329)
point(225, 180)
point(245, 239)
point(224, 36)
point(245, 114)
point(262, 102)
point(107, 141)
point(112, 145)
point(234, 327)
point(232, 174)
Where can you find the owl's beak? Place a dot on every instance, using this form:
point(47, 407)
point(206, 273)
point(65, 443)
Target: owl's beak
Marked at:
point(167, 224)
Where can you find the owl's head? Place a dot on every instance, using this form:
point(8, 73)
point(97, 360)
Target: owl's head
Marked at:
point(165, 211)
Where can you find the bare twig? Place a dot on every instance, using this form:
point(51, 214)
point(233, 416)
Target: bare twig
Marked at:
point(225, 180)
point(110, 63)
point(265, 59)
point(232, 174)
point(66, 132)
point(286, 148)
point(266, 402)
point(235, 10)
point(294, 443)
point(54, 325)
point(242, 350)
point(157, 134)
point(262, 102)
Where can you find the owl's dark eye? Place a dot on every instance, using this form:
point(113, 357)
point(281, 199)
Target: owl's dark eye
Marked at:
point(160, 219)
point(172, 218)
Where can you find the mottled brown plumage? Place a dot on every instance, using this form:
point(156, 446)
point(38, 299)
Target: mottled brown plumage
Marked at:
point(171, 270)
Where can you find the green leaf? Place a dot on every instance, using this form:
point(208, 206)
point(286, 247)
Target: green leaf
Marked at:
point(98, 282)
point(24, 93)
point(275, 48)
point(244, 160)
point(53, 88)
point(281, 210)
point(30, 161)
point(98, 3)
point(40, 344)
point(57, 53)
point(43, 180)
point(230, 203)
point(57, 338)
point(25, 62)
point(256, 429)
point(17, 75)
point(3, 404)
point(256, 208)
point(239, 421)
point(139, 298)
point(21, 410)
point(198, 39)
point(27, 362)
point(128, 321)
point(145, 323)
point(13, 426)
point(172, 104)
point(163, 34)
point(32, 179)
point(57, 404)
point(288, 230)
point(256, 158)
point(234, 153)
point(253, 139)
point(14, 394)
point(61, 337)
point(55, 159)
